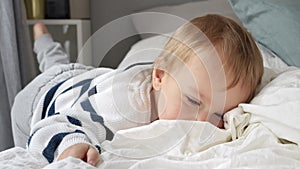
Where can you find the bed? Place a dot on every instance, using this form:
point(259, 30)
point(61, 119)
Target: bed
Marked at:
point(262, 134)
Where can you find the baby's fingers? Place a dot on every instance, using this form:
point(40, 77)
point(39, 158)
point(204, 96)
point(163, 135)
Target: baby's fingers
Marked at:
point(92, 156)
point(77, 150)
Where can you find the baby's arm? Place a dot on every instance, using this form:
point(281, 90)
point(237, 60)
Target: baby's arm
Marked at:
point(69, 133)
point(48, 52)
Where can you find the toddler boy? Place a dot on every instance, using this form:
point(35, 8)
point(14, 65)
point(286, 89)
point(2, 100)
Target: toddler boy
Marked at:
point(208, 67)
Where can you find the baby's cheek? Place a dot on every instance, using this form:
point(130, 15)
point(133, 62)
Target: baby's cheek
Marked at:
point(171, 111)
point(176, 111)
point(187, 112)
point(161, 104)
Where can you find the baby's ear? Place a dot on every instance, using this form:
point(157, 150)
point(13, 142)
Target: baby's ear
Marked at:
point(157, 76)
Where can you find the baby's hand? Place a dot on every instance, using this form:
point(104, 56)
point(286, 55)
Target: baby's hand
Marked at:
point(82, 151)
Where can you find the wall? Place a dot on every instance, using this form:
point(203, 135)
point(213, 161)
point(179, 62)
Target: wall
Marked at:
point(104, 11)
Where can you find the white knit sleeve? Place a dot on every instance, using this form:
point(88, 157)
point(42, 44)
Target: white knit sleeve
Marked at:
point(52, 135)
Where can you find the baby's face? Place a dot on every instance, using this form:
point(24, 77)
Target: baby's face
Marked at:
point(188, 94)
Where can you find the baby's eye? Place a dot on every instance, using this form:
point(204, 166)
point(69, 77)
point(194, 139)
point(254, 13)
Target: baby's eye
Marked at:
point(193, 101)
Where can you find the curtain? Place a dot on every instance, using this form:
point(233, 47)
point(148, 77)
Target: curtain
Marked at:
point(17, 65)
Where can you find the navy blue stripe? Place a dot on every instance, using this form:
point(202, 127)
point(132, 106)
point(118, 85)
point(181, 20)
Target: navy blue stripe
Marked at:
point(98, 148)
point(74, 121)
point(30, 137)
point(136, 64)
point(84, 88)
point(87, 106)
point(51, 110)
point(49, 97)
point(48, 152)
point(92, 91)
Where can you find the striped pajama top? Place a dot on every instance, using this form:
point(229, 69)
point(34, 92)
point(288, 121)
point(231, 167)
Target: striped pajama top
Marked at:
point(89, 108)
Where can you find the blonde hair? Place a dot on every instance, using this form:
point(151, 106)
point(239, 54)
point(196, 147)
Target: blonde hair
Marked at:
point(239, 53)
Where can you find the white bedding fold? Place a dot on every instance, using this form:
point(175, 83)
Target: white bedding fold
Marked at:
point(277, 106)
point(171, 137)
point(236, 122)
point(260, 148)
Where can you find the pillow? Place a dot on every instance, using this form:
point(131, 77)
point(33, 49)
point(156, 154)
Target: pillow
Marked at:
point(273, 23)
point(186, 11)
point(145, 50)
point(271, 60)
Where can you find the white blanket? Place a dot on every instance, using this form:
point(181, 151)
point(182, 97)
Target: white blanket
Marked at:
point(257, 131)
point(277, 106)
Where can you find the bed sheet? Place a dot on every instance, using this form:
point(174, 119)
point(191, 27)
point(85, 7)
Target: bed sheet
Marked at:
point(258, 149)
point(253, 138)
